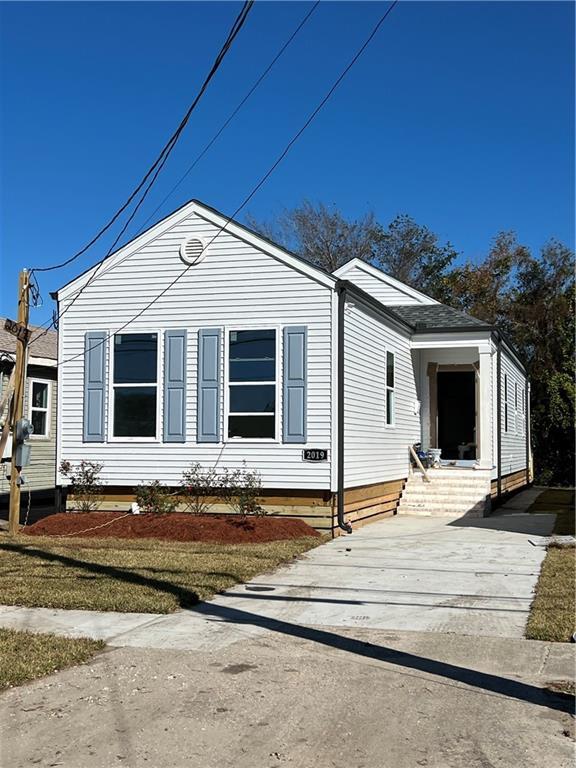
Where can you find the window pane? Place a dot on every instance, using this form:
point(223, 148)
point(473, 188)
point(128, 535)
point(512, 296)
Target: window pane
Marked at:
point(252, 399)
point(389, 369)
point(135, 358)
point(252, 355)
point(389, 406)
point(39, 422)
point(135, 412)
point(39, 395)
point(251, 426)
point(252, 370)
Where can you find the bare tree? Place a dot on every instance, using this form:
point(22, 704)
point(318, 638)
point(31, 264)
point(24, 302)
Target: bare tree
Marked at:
point(321, 234)
point(412, 253)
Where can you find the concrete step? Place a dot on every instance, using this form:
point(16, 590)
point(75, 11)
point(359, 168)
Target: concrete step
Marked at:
point(429, 508)
point(452, 473)
point(449, 483)
point(474, 513)
point(441, 497)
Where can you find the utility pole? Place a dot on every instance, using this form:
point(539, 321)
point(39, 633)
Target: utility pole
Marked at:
point(18, 401)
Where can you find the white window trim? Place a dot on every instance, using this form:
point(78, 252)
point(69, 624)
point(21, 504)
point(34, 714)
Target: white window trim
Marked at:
point(506, 409)
point(159, 389)
point(226, 379)
point(516, 409)
point(48, 408)
point(392, 424)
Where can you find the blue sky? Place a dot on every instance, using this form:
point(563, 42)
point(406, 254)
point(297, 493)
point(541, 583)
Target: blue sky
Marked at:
point(460, 114)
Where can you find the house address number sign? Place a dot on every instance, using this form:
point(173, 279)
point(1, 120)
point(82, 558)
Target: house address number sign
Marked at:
point(315, 454)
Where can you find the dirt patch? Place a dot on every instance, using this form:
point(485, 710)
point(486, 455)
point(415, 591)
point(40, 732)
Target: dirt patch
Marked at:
point(227, 529)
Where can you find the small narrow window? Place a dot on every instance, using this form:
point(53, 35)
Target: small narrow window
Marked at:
point(252, 384)
point(505, 403)
point(523, 410)
point(390, 391)
point(516, 411)
point(39, 407)
point(135, 386)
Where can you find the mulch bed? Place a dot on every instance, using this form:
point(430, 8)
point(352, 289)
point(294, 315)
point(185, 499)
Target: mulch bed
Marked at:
point(225, 529)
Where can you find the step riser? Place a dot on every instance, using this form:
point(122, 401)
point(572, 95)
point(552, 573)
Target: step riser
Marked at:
point(453, 473)
point(436, 500)
point(436, 513)
point(451, 482)
point(446, 508)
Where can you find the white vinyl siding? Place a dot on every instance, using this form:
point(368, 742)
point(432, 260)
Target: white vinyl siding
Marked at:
point(513, 440)
point(234, 286)
point(376, 452)
point(388, 294)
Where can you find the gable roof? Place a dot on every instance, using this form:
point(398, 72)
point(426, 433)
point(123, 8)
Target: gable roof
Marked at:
point(45, 345)
point(428, 317)
point(378, 274)
point(213, 216)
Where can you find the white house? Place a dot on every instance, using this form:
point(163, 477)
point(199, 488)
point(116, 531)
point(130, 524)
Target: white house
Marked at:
point(203, 341)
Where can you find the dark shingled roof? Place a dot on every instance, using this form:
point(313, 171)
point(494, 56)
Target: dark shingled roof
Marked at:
point(435, 316)
point(46, 346)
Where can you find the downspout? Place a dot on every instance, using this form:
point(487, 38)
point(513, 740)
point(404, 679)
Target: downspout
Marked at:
point(499, 413)
point(341, 291)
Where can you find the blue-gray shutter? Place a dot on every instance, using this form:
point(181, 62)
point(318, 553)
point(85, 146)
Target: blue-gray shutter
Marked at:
point(94, 386)
point(208, 385)
point(294, 377)
point(175, 386)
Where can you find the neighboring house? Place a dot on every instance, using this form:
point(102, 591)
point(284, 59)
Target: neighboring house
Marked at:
point(40, 395)
point(255, 355)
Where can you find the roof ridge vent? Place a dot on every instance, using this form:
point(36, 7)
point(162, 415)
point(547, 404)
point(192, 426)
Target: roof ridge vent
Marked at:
point(192, 250)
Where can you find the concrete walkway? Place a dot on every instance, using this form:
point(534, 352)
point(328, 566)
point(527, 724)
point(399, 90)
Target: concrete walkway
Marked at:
point(470, 577)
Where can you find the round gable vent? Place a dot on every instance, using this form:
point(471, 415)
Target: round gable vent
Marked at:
point(192, 251)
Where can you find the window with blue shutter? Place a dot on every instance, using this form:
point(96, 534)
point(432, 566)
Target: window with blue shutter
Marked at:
point(295, 388)
point(209, 389)
point(95, 344)
point(175, 386)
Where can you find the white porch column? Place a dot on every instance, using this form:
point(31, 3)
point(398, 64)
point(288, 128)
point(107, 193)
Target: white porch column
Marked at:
point(485, 406)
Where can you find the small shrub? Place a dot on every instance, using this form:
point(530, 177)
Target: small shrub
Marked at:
point(85, 483)
point(199, 488)
point(241, 490)
point(155, 497)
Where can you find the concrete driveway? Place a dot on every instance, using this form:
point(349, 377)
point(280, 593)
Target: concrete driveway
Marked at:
point(314, 665)
point(420, 574)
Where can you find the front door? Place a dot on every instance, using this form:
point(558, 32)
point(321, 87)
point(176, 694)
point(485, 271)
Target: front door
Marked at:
point(456, 392)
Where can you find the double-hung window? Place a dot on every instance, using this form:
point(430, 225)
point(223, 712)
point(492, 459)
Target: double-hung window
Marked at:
point(135, 385)
point(40, 407)
point(390, 392)
point(252, 384)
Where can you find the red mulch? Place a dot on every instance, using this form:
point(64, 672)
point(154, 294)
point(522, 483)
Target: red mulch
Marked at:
point(176, 526)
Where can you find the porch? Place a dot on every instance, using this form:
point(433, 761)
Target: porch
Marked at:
point(455, 389)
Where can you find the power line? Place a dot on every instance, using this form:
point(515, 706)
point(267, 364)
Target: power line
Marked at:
point(190, 168)
point(154, 170)
point(168, 147)
point(254, 189)
point(232, 115)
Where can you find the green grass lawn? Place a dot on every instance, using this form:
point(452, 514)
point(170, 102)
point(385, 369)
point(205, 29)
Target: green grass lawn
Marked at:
point(128, 575)
point(553, 611)
point(25, 656)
